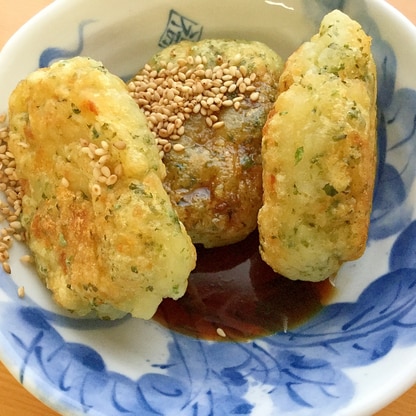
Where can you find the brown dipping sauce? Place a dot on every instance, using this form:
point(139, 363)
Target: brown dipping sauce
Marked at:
point(232, 292)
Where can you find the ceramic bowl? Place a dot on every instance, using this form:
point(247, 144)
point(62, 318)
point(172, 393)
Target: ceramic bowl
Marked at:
point(352, 358)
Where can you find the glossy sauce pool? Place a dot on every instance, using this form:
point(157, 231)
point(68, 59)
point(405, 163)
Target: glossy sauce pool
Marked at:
point(233, 295)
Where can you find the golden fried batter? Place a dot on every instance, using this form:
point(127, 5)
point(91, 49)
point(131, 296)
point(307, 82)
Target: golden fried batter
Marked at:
point(214, 180)
point(319, 154)
point(100, 225)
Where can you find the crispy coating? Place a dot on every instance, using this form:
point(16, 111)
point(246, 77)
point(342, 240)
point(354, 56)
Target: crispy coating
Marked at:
point(215, 183)
point(319, 154)
point(113, 248)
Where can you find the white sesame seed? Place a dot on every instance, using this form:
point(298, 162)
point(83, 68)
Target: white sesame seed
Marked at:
point(64, 182)
point(6, 267)
point(16, 225)
point(120, 145)
point(163, 133)
point(28, 259)
point(21, 291)
point(254, 96)
point(103, 160)
point(197, 108)
point(118, 170)
point(171, 128)
point(88, 152)
point(96, 189)
point(162, 142)
point(100, 152)
point(221, 333)
point(177, 147)
point(177, 89)
point(242, 87)
point(218, 125)
point(105, 170)
point(93, 147)
point(167, 147)
point(111, 180)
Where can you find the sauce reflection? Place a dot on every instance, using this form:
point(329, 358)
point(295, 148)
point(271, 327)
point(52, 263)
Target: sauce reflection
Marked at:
point(233, 291)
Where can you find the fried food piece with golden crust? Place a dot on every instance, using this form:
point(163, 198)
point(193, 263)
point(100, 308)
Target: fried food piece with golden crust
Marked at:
point(226, 89)
point(102, 230)
point(319, 154)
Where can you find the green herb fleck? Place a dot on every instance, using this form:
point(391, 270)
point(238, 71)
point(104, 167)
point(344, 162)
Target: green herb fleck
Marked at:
point(139, 189)
point(329, 190)
point(299, 154)
point(95, 133)
point(134, 269)
point(295, 190)
point(354, 113)
point(175, 289)
point(136, 188)
point(75, 109)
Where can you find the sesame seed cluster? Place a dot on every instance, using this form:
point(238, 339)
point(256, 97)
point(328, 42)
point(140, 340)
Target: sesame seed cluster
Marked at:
point(11, 205)
point(99, 155)
point(170, 95)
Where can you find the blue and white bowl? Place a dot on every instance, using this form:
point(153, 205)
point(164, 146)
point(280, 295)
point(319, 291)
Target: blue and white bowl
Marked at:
point(352, 358)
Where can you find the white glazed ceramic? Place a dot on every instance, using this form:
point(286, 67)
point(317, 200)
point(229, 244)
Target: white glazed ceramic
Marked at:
point(352, 358)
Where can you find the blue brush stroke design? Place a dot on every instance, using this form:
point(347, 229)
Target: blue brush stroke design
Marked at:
point(53, 53)
point(301, 372)
point(403, 253)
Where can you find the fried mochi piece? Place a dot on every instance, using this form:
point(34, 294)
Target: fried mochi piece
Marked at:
point(319, 154)
point(102, 230)
point(214, 180)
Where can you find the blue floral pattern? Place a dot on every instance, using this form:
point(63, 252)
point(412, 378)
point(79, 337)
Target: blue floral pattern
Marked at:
point(301, 372)
point(49, 55)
